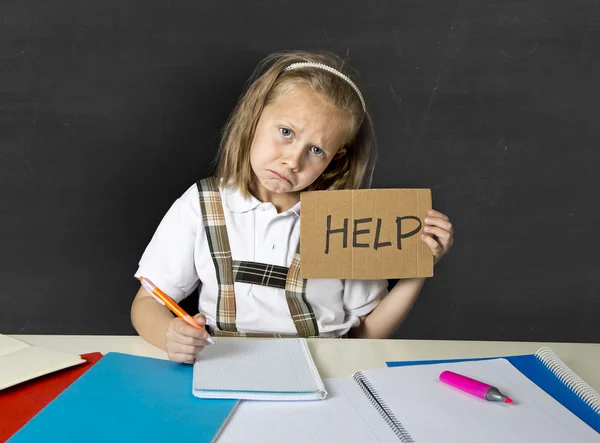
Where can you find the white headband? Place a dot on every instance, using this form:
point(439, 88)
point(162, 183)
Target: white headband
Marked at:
point(332, 71)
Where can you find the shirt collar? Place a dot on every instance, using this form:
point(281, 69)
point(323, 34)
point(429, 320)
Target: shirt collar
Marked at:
point(295, 209)
point(235, 202)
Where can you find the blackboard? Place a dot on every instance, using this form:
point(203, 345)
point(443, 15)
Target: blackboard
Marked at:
point(109, 110)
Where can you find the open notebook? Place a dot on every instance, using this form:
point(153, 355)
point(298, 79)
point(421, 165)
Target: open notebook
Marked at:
point(258, 369)
point(410, 404)
point(20, 361)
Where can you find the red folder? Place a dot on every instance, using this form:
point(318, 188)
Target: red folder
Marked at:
point(21, 402)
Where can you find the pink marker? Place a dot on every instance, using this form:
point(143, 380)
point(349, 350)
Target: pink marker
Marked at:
point(473, 387)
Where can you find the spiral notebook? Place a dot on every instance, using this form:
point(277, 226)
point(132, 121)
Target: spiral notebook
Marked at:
point(551, 374)
point(409, 404)
point(258, 369)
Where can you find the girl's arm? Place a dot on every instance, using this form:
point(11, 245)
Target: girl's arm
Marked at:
point(389, 314)
point(385, 319)
point(150, 319)
point(155, 324)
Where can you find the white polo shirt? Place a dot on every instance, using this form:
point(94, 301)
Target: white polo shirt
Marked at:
point(178, 259)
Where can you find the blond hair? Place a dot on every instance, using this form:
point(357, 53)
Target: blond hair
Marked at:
point(352, 169)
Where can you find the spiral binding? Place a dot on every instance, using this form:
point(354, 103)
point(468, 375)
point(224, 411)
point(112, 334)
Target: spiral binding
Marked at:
point(383, 409)
point(569, 378)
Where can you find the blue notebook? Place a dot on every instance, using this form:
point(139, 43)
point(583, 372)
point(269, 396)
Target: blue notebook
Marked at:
point(544, 368)
point(125, 398)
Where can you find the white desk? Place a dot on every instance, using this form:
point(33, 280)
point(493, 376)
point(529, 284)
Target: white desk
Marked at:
point(343, 357)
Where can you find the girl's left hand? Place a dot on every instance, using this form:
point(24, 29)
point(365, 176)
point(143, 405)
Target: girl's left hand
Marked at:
point(439, 234)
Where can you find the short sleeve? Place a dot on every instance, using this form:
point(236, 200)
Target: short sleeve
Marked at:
point(168, 260)
point(362, 296)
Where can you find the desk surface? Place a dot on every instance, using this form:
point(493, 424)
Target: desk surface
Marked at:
point(343, 357)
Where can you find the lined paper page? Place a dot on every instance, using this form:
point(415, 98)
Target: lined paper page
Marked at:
point(433, 411)
point(257, 366)
point(344, 416)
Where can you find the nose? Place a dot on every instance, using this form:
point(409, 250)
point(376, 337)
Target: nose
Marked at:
point(293, 158)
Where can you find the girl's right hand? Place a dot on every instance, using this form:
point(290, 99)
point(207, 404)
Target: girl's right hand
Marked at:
point(184, 341)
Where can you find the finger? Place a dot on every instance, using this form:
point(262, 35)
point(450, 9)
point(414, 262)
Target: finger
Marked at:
point(445, 244)
point(434, 245)
point(181, 358)
point(439, 222)
point(180, 327)
point(438, 232)
point(178, 348)
point(185, 340)
point(200, 319)
point(434, 213)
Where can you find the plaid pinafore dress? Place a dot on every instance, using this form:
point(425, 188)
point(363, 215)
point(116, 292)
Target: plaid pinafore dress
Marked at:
point(229, 271)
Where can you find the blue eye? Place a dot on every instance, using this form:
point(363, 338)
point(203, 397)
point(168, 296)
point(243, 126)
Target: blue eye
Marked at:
point(287, 133)
point(317, 151)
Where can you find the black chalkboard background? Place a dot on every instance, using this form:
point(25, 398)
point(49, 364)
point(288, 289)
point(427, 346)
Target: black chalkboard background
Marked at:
point(110, 109)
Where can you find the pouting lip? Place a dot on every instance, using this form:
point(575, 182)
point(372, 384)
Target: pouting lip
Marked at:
point(281, 176)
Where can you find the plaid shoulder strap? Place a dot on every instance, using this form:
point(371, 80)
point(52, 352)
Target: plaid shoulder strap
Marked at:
point(218, 241)
point(263, 274)
point(295, 295)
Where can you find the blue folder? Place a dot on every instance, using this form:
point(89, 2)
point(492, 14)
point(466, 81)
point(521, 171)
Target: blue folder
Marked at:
point(530, 366)
point(125, 398)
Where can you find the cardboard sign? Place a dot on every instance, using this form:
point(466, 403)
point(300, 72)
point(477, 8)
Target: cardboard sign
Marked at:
point(364, 234)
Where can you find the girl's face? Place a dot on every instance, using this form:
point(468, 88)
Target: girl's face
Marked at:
point(296, 137)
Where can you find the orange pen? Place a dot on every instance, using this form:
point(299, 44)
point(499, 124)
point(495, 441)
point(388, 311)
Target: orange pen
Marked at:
point(167, 301)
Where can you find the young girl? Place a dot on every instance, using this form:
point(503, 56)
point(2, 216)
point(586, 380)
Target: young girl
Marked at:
point(302, 124)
